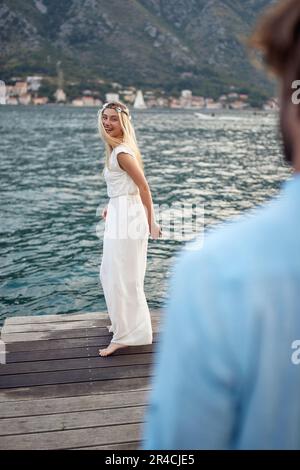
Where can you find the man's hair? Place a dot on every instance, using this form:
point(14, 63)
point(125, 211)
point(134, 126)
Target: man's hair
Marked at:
point(277, 36)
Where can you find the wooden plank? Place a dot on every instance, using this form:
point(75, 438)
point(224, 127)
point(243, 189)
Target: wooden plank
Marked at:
point(73, 420)
point(73, 438)
point(67, 332)
point(37, 407)
point(36, 355)
point(49, 344)
point(133, 445)
point(66, 317)
point(68, 364)
point(74, 389)
point(72, 376)
point(60, 325)
point(56, 392)
point(63, 334)
point(55, 326)
point(25, 319)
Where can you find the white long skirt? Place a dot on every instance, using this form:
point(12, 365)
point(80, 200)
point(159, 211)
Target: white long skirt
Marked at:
point(123, 268)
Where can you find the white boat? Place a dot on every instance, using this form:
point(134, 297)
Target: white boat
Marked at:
point(203, 116)
point(218, 117)
point(139, 102)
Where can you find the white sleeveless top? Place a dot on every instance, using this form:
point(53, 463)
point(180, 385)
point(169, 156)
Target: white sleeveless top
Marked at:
point(118, 181)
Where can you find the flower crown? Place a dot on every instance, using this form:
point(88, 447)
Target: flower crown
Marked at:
point(116, 108)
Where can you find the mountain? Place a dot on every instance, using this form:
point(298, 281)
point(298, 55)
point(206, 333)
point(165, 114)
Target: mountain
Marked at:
point(154, 44)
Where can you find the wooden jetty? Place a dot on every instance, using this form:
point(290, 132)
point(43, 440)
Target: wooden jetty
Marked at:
point(56, 392)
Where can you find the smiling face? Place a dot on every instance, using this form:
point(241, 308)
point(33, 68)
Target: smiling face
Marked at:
point(111, 123)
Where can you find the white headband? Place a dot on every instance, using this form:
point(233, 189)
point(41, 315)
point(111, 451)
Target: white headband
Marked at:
point(117, 108)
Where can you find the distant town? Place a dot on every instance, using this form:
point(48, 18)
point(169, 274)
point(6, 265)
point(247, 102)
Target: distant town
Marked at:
point(26, 92)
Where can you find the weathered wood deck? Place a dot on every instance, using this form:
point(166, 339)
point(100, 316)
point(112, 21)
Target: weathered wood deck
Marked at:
point(56, 392)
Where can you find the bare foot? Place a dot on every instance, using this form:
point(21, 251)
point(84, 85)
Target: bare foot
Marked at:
point(111, 349)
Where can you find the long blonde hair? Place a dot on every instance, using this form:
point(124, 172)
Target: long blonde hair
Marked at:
point(128, 137)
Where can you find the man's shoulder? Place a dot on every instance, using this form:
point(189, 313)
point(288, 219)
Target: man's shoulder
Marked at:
point(234, 245)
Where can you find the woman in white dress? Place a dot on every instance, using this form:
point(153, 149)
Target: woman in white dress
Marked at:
point(129, 218)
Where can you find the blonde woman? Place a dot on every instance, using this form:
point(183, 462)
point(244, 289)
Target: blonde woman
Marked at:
point(129, 218)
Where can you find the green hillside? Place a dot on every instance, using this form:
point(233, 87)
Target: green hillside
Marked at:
point(153, 44)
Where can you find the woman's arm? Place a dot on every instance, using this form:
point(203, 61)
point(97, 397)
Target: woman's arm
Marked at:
point(131, 166)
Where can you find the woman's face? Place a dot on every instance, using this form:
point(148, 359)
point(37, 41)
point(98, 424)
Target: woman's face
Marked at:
point(111, 123)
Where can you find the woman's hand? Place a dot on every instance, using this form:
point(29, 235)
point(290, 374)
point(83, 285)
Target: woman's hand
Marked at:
point(104, 213)
point(156, 231)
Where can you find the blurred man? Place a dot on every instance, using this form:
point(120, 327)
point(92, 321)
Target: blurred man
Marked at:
point(228, 373)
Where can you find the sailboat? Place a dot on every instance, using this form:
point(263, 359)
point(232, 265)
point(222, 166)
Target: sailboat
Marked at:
point(139, 102)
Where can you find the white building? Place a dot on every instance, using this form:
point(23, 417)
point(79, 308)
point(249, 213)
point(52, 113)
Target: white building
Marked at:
point(111, 97)
point(186, 99)
point(25, 99)
point(20, 88)
point(210, 103)
point(12, 100)
point(77, 102)
point(198, 101)
point(40, 100)
point(34, 82)
point(2, 92)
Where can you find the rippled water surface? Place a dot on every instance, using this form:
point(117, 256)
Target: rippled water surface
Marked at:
point(52, 194)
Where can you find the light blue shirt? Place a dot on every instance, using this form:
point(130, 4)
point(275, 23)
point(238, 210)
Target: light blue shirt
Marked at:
point(224, 377)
